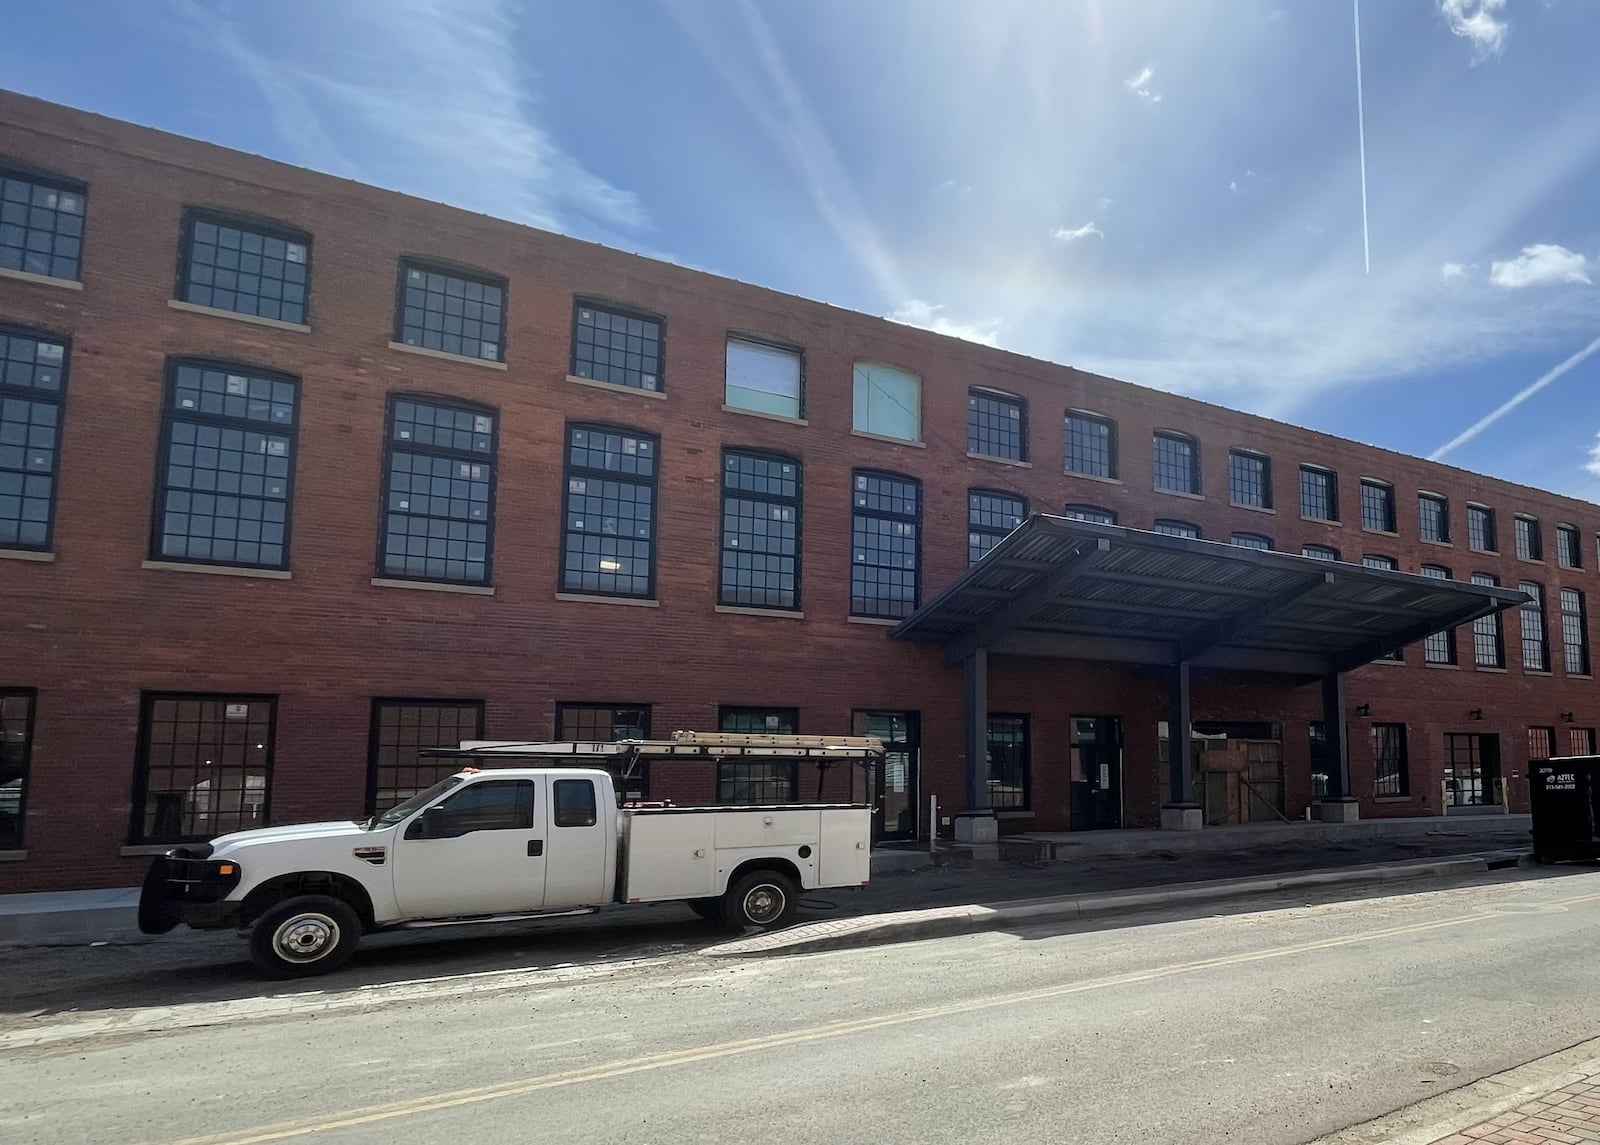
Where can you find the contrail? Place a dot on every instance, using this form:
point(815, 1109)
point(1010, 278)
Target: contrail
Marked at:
point(1361, 129)
point(1545, 379)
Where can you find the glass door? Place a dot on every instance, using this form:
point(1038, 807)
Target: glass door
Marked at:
point(1472, 765)
point(893, 789)
point(1096, 772)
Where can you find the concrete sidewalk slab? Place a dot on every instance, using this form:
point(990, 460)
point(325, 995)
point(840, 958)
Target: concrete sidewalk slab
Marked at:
point(940, 922)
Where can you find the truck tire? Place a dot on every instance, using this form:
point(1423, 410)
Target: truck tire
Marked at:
point(761, 899)
point(303, 936)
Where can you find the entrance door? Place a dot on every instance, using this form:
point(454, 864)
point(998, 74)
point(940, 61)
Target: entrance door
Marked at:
point(893, 788)
point(1472, 767)
point(480, 851)
point(1096, 772)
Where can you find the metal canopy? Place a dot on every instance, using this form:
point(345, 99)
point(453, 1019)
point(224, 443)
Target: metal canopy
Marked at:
point(1066, 588)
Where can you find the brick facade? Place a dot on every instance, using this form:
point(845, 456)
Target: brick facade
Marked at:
point(92, 628)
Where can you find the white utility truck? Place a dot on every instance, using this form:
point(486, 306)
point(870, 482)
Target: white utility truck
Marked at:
point(529, 830)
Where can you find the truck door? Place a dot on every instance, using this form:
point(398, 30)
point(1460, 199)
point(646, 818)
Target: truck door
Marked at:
point(579, 845)
point(479, 851)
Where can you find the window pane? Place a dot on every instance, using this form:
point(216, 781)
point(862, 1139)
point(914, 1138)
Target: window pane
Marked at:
point(1377, 507)
point(1318, 494)
point(401, 731)
point(760, 531)
point(1440, 647)
point(1010, 764)
point(1319, 553)
point(16, 757)
point(996, 426)
point(1480, 529)
point(607, 723)
point(619, 347)
point(450, 313)
point(1488, 647)
point(1568, 550)
point(246, 270)
point(1530, 543)
point(1176, 463)
point(1574, 632)
point(1541, 743)
point(438, 492)
point(763, 378)
point(1389, 760)
point(1178, 529)
point(1535, 657)
point(885, 545)
point(1433, 516)
point(1250, 541)
point(1249, 479)
point(1091, 513)
point(990, 516)
point(608, 544)
point(32, 381)
point(1091, 445)
point(205, 766)
point(41, 225)
point(888, 401)
point(574, 803)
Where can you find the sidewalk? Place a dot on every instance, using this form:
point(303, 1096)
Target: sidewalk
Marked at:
point(1569, 1115)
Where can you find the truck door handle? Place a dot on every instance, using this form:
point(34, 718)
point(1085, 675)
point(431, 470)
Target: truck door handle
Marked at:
point(535, 848)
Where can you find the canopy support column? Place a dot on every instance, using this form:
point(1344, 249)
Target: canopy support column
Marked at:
point(1180, 812)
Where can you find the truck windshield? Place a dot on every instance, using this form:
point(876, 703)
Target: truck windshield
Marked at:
point(421, 799)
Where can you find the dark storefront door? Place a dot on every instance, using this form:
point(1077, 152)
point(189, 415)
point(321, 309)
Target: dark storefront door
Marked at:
point(1472, 768)
point(1096, 772)
point(893, 790)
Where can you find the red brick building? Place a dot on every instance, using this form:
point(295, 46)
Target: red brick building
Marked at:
point(296, 474)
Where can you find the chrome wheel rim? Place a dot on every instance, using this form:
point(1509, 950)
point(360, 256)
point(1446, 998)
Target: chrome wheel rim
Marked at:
point(305, 937)
point(763, 904)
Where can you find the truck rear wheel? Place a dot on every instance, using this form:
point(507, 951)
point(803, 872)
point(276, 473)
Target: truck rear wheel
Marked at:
point(303, 936)
point(762, 899)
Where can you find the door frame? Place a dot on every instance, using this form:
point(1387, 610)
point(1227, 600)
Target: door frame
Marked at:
point(913, 751)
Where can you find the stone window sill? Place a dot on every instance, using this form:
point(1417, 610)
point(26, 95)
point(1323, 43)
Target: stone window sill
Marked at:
point(1015, 464)
point(1253, 508)
point(1437, 544)
point(1321, 521)
point(1179, 493)
point(26, 555)
point(740, 610)
point(613, 387)
point(1448, 667)
point(1379, 532)
point(13, 856)
point(433, 586)
point(1093, 477)
point(235, 316)
point(880, 621)
point(464, 359)
point(41, 279)
point(595, 598)
point(886, 438)
point(786, 419)
point(217, 570)
point(1487, 668)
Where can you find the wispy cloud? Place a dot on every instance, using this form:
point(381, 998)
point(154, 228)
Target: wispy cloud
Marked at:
point(1139, 85)
point(1542, 264)
point(424, 95)
point(1073, 234)
point(1480, 22)
point(1247, 183)
point(916, 312)
point(1592, 466)
point(1548, 377)
point(1453, 270)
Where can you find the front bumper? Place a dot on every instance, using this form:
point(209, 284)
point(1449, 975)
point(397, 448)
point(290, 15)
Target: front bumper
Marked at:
point(181, 887)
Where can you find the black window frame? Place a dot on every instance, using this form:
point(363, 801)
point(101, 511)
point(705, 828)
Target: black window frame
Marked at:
point(1569, 547)
point(733, 771)
point(1323, 553)
point(980, 394)
point(1482, 536)
point(1173, 527)
point(633, 314)
point(570, 471)
point(1089, 514)
point(14, 839)
point(1438, 647)
point(137, 836)
point(978, 528)
point(376, 747)
point(859, 511)
point(1245, 540)
point(1529, 535)
point(60, 184)
point(1159, 464)
point(450, 453)
point(777, 500)
point(1025, 720)
point(1382, 511)
point(1487, 631)
point(1067, 437)
point(262, 228)
point(1574, 632)
point(1249, 471)
point(56, 398)
point(629, 788)
point(1433, 511)
point(1540, 639)
point(1327, 492)
point(171, 415)
point(1391, 766)
point(463, 274)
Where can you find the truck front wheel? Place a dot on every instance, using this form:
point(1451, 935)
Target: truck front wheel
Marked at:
point(761, 899)
point(304, 935)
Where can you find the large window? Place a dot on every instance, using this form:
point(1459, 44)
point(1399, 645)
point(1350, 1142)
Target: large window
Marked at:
point(885, 545)
point(1535, 645)
point(224, 493)
point(1541, 743)
point(1249, 479)
point(1569, 552)
point(1580, 741)
point(1250, 541)
point(1439, 648)
point(1377, 507)
point(1391, 776)
point(618, 346)
point(1171, 528)
point(1574, 632)
point(41, 225)
point(1433, 518)
point(997, 425)
point(764, 378)
point(33, 379)
point(1374, 561)
point(760, 530)
point(888, 401)
point(1480, 529)
point(1094, 514)
point(204, 766)
point(607, 723)
point(438, 492)
point(1010, 763)
point(451, 312)
point(1488, 642)
point(990, 516)
point(401, 731)
point(1319, 493)
point(1177, 463)
point(608, 543)
point(1319, 552)
point(758, 781)
point(249, 268)
point(1091, 445)
point(16, 753)
point(1530, 540)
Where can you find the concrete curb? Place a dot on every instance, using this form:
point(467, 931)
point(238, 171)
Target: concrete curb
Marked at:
point(941, 922)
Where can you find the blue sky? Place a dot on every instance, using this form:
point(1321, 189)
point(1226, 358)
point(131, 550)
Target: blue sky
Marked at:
point(1167, 192)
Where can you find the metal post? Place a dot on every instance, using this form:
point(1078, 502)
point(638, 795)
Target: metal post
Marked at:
point(975, 702)
point(933, 823)
point(1180, 753)
point(1339, 806)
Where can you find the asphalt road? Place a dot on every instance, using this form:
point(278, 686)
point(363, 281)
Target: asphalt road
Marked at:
point(1273, 1022)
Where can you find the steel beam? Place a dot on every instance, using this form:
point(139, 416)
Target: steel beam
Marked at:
point(1025, 603)
point(1246, 618)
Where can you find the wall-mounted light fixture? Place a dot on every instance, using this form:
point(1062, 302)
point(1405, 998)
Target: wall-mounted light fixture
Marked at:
point(1476, 714)
point(1566, 717)
point(1364, 709)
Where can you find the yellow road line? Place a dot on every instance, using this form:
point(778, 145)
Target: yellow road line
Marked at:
point(303, 1127)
